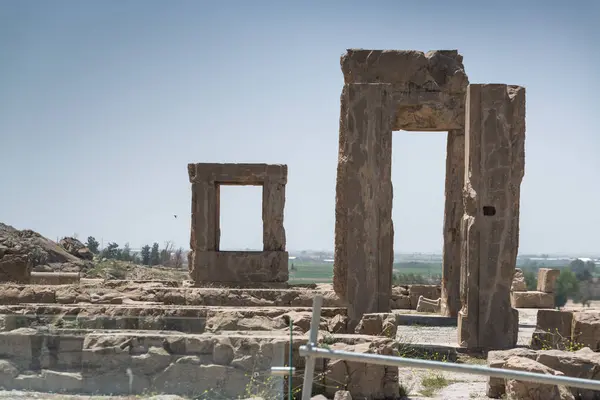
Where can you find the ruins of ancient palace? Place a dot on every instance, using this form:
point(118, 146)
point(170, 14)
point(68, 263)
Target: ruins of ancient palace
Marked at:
point(386, 91)
point(75, 320)
point(207, 264)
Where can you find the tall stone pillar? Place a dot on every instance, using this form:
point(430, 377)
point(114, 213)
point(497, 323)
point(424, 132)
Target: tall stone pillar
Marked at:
point(364, 232)
point(453, 213)
point(494, 168)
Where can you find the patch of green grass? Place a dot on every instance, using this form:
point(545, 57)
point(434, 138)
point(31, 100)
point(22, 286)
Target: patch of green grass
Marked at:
point(473, 360)
point(432, 383)
point(321, 272)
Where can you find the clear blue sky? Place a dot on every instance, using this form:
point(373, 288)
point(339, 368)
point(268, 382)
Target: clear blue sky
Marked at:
point(103, 103)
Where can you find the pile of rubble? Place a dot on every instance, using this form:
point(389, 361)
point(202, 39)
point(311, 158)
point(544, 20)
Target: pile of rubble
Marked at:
point(24, 251)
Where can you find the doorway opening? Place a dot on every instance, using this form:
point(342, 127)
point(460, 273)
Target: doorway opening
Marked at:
point(418, 179)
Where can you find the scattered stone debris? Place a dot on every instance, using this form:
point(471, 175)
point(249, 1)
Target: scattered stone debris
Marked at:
point(22, 252)
point(76, 248)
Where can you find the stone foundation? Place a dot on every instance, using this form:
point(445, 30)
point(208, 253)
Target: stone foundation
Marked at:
point(117, 337)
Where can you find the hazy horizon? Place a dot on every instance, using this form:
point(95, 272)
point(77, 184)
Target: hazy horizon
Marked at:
point(103, 104)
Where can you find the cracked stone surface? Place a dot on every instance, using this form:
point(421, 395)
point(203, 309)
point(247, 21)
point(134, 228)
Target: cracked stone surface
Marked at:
point(385, 91)
point(495, 163)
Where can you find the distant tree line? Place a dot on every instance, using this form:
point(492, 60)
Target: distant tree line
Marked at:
point(149, 255)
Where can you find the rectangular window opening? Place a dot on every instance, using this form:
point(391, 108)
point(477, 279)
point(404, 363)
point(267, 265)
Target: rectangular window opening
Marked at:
point(240, 218)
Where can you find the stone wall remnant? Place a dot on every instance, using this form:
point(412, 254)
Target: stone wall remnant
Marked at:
point(547, 279)
point(428, 305)
point(385, 91)
point(494, 169)
point(532, 299)
point(518, 283)
point(209, 264)
point(552, 330)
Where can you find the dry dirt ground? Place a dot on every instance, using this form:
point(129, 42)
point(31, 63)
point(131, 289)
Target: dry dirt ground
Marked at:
point(455, 386)
point(20, 395)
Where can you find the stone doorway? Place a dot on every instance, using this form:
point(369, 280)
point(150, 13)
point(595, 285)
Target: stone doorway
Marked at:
point(388, 91)
point(418, 179)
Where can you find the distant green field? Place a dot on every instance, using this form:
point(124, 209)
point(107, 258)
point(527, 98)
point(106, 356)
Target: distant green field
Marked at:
point(309, 272)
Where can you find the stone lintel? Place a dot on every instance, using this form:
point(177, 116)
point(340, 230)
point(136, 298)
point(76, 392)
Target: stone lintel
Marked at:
point(434, 71)
point(238, 174)
point(422, 111)
point(428, 111)
point(239, 266)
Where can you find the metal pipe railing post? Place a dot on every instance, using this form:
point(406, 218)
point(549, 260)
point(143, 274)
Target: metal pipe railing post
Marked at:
point(309, 369)
point(313, 352)
point(291, 372)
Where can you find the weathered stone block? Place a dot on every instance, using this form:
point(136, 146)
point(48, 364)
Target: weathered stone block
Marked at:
point(516, 389)
point(363, 381)
point(55, 278)
point(370, 324)
point(532, 300)
point(547, 279)
point(8, 372)
point(338, 324)
point(382, 324)
point(62, 352)
point(240, 266)
point(553, 329)
point(586, 329)
point(497, 359)
point(22, 347)
point(440, 70)
point(401, 302)
point(494, 169)
point(583, 364)
point(238, 174)
point(15, 268)
point(518, 283)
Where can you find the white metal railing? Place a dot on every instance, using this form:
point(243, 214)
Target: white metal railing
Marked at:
point(311, 352)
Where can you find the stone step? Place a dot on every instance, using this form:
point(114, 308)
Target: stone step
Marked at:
point(424, 320)
point(189, 319)
point(159, 293)
point(134, 362)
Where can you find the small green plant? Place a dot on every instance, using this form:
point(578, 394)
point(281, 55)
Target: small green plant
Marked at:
point(432, 383)
point(404, 348)
point(554, 340)
point(260, 385)
point(328, 339)
point(403, 392)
